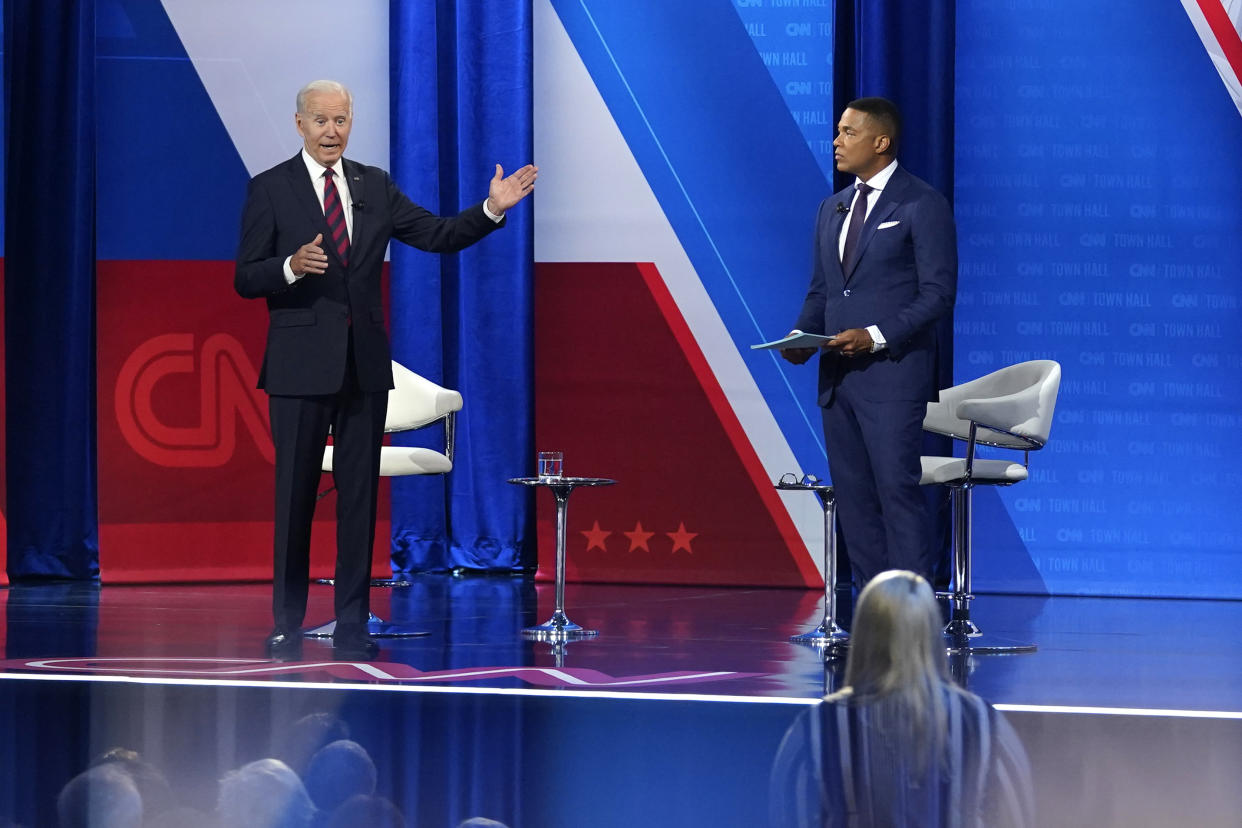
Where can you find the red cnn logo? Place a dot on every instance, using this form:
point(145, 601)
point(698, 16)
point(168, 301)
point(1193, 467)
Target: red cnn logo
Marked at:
point(227, 397)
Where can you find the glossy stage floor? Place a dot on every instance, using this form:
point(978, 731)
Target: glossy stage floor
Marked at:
point(1131, 710)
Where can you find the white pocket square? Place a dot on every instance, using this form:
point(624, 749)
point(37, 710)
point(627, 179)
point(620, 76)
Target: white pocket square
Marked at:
point(887, 224)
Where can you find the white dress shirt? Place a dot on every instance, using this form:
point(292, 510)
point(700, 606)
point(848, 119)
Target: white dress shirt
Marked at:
point(316, 172)
point(877, 183)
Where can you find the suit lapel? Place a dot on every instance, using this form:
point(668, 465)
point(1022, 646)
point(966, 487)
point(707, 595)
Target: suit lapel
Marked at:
point(357, 196)
point(304, 193)
point(885, 205)
point(831, 244)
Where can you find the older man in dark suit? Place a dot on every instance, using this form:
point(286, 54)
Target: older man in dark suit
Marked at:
point(884, 272)
point(314, 231)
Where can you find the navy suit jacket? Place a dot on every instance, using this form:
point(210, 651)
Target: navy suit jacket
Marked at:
point(309, 321)
point(904, 279)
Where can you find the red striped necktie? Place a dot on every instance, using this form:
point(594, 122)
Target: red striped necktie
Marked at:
point(335, 213)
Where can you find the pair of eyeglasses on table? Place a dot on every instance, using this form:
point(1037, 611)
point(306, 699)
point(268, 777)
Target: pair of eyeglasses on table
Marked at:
point(792, 479)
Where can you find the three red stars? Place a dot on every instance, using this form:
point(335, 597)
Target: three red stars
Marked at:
point(639, 537)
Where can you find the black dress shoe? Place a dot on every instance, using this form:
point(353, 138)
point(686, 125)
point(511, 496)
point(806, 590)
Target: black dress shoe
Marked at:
point(283, 644)
point(351, 642)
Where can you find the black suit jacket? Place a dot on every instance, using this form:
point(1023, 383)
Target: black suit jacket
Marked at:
point(310, 320)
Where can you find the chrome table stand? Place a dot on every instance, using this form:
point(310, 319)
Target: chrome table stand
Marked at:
point(828, 634)
point(559, 627)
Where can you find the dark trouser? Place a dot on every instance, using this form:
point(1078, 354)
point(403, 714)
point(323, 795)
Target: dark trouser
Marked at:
point(300, 430)
point(873, 457)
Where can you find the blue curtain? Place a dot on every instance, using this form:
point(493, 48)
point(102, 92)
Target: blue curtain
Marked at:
point(461, 76)
point(905, 52)
point(49, 191)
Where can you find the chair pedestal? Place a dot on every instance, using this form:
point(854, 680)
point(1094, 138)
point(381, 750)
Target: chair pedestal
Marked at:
point(962, 634)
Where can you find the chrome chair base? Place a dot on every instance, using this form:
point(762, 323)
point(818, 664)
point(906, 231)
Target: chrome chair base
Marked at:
point(554, 632)
point(376, 628)
point(391, 582)
point(962, 628)
point(557, 628)
point(957, 644)
point(827, 636)
point(375, 582)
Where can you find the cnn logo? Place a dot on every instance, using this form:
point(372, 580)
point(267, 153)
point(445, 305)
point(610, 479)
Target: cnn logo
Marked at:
point(227, 400)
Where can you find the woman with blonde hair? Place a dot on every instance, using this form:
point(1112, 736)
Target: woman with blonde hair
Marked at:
point(901, 744)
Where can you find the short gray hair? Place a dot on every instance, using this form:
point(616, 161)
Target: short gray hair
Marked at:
point(325, 86)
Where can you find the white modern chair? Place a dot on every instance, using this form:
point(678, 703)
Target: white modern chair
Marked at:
point(1009, 409)
point(414, 402)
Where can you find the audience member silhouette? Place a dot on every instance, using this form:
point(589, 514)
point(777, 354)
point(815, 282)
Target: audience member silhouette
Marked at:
point(371, 811)
point(100, 797)
point(900, 744)
point(306, 736)
point(153, 787)
point(264, 794)
point(338, 771)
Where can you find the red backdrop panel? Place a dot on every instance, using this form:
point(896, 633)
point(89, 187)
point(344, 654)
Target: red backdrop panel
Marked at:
point(624, 391)
point(185, 451)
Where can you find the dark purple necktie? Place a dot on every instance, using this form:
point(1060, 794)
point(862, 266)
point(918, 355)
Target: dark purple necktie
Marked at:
point(335, 215)
point(858, 217)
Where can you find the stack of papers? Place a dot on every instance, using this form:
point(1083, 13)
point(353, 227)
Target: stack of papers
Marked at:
point(796, 339)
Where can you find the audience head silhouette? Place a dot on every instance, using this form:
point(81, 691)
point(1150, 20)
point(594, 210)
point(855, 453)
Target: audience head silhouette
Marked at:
point(371, 811)
point(307, 735)
point(338, 771)
point(101, 797)
point(264, 794)
point(153, 787)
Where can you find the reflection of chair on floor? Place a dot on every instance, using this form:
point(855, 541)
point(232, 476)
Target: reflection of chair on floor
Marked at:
point(414, 402)
point(1011, 409)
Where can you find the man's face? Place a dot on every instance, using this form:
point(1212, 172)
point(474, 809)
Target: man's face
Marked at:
point(324, 126)
point(858, 145)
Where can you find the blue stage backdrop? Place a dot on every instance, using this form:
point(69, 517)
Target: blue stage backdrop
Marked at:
point(1099, 201)
point(1096, 186)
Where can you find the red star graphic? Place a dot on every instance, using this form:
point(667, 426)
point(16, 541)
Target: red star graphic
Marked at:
point(638, 538)
point(595, 537)
point(681, 538)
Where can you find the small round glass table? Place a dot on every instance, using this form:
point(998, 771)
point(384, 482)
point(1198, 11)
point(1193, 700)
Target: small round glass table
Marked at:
point(828, 634)
point(559, 627)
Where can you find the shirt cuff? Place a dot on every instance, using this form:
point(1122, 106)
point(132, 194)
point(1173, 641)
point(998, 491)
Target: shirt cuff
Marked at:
point(877, 339)
point(490, 214)
point(290, 276)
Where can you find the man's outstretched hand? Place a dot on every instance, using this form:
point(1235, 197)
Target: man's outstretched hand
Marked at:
point(505, 192)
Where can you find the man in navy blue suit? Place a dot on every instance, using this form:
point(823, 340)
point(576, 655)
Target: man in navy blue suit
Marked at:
point(314, 231)
point(884, 273)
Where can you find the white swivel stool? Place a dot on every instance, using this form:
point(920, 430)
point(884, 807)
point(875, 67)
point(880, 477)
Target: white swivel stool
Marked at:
point(1009, 409)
